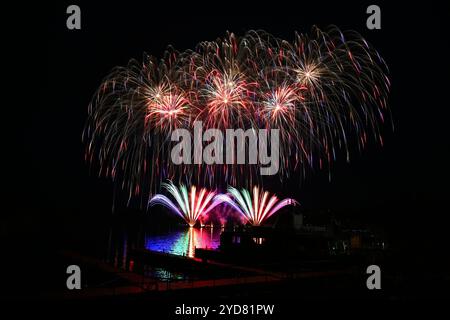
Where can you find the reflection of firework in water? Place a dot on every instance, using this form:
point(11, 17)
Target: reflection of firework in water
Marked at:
point(189, 205)
point(257, 208)
point(322, 91)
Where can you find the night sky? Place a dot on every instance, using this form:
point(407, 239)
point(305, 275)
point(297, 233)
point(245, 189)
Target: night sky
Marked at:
point(401, 186)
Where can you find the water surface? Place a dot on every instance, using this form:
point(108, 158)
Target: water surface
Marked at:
point(183, 242)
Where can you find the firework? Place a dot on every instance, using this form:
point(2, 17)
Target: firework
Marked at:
point(254, 208)
point(190, 205)
point(222, 214)
point(326, 92)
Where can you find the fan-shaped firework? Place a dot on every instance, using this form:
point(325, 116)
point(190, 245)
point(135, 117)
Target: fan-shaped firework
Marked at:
point(254, 208)
point(322, 91)
point(189, 205)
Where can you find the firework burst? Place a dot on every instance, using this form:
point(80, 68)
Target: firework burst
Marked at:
point(325, 92)
point(167, 109)
point(256, 207)
point(227, 101)
point(189, 205)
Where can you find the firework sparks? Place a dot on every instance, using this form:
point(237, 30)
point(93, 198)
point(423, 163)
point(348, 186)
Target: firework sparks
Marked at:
point(324, 91)
point(190, 205)
point(166, 110)
point(227, 100)
point(257, 208)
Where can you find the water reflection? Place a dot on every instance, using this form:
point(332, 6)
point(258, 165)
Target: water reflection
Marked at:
point(183, 242)
point(121, 241)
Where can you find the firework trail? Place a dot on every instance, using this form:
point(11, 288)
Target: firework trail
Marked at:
point(257, 208)
point(326, 92)
point(189, 205)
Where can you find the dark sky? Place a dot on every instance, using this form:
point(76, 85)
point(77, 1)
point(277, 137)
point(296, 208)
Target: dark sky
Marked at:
point(401, 185)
